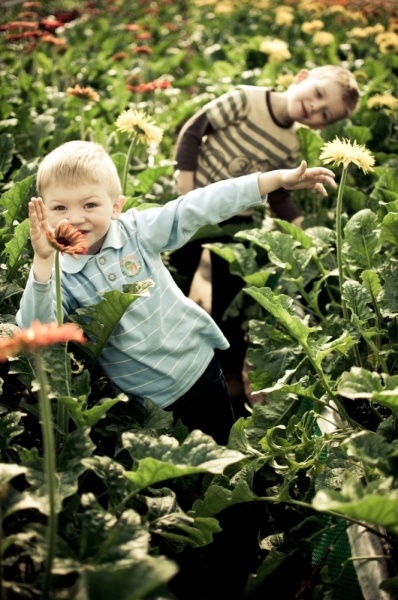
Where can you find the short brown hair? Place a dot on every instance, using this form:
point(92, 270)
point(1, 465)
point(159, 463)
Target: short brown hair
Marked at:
point(78, 162)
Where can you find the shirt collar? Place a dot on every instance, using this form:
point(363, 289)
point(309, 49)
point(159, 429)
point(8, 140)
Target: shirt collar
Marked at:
point(115, 239)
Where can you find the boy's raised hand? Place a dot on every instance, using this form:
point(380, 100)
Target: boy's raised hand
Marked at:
point(38, 227)
point(303, 178)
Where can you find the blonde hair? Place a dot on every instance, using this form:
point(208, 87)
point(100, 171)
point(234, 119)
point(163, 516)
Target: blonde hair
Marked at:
point(79, 162)
point(346, 80)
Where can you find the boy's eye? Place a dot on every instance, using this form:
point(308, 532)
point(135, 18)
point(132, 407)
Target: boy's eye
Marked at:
point(90, 205)
point(60, 207)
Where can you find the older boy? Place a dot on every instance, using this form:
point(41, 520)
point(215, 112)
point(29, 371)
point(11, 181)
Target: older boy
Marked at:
point(251, 129)
point(163, 347)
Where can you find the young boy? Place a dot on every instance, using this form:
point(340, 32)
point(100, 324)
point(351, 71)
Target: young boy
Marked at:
point(163, 347)
point(245, 130)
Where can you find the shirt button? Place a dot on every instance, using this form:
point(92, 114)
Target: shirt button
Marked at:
point(111, 277)
point(102, 260)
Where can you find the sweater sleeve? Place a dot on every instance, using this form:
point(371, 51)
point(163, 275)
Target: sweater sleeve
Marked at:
point(173, 225)
point(283, 205)
point(189, 141)
point(36, 303)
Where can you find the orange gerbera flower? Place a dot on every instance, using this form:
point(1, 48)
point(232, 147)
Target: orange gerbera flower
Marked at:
point(85, 93)
point(39, 335)
point(67, 239)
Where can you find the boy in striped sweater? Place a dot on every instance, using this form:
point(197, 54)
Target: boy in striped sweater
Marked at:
point(249, 129)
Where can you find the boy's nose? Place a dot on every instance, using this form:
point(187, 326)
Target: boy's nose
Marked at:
point(317, 105)
point(75, 218)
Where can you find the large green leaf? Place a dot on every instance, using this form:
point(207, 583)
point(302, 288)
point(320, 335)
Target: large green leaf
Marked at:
point(362, 504)
point(17, 245)
point(361, 240)
point(163, 458)
point(77, 446)
point(15, 200)
point(135, 582)
point(357, 299)
point(360, 383)
point(99, 320)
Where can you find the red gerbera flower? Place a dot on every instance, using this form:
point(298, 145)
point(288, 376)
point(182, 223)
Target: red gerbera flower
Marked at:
point(39, 335)
point(67, 239)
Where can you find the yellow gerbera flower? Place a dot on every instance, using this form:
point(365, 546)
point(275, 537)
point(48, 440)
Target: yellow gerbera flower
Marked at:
point(277, 50)
point(312, 26)
point(323, 38)
point(383, 100)
point(136, 122)
point(343, 152)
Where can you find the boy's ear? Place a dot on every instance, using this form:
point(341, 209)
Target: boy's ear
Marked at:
point(301, 75)
point(117, 207)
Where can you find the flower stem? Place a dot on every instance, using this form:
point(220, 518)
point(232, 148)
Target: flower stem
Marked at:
point(127, 164)
point(62, 410)
point(339, 240)
point(339, 251)
point(58, 291)
point(49, 471)
point(82, 125)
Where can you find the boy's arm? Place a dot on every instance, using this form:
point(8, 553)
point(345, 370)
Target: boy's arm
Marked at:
point(187, 149)
point(283, 206)
point(36, 301)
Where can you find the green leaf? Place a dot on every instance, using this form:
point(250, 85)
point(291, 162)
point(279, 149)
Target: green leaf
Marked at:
point(181, 528)
point(389, 227)
point(10, 427)
point(112, 475)
point(88, 417)
point(134, 582)
point(359, 383)
point(99, 320)
point(77, 446)
point(357, 299)
point(9, 471)
point(218, 498)
point(162, 458)
point(388, 297)
point(359, 503)
point(386, 187)
point(310, 144)
point(242, 260)
point(371, 449)
point(6, 153)
point(17, 245)
point(361, 240)
point(279, 306)
point(15, 200)
point(371, 282)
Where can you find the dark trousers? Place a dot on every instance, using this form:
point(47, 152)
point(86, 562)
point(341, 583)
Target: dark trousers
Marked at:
point(207, 405)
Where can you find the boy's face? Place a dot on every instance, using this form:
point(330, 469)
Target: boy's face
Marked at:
point(315, 102)
point(88, 208)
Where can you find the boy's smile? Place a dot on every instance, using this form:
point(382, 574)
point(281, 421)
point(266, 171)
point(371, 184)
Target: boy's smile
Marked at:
point(88, 208)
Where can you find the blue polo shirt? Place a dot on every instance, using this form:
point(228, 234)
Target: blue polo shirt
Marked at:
point(164, 341)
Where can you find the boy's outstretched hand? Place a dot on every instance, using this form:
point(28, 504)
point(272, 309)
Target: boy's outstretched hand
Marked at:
point(297, 179)
point(303, 178)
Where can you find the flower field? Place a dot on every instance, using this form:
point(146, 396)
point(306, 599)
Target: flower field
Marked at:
point(100, 502)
